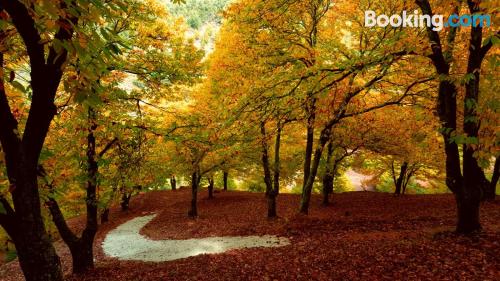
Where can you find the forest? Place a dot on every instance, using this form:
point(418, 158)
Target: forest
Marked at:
point(248, 140)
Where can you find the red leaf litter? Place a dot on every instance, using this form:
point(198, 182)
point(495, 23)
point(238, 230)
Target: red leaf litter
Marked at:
point(362, 236)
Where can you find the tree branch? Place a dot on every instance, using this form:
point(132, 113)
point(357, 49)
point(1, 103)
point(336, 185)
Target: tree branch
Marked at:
point(108, 146)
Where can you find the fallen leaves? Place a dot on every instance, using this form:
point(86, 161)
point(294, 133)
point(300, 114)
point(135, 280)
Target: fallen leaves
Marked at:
point(383, 238)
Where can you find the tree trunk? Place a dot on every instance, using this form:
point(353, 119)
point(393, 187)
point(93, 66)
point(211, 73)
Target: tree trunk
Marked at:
point(193, 212)
point(81, 248)
point(327, 188)
point(82, 255)
point(271, 211)
point(173, 183)
point(311, 118)
point(125, 202)
point(105, 216)
point(211, 187)
point(468, 186)
point(306, 192)
point(38, 262)
point(37, 256)
point(401, 178)
point(328, 176)
point(468, 213)
point(271, 205)
point(225, 176)
point(84, 258)
point(265, 159)
point(25, 226)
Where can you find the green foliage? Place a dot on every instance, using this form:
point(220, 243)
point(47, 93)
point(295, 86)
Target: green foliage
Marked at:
point(254, 186)
point(199, 12)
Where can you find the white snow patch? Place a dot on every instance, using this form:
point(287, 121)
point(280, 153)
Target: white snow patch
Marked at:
point(125, 243)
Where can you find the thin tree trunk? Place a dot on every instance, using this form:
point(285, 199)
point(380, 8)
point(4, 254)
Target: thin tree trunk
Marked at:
point(328, 176)
point(193, 212)
point(211, 187)
point(311, 111)
point(306, 192)
point(125, 202)
point(401, 178)
point(225, 176)
point(82, 248)
point(271, 211)
point(173, 183)
point(265, 159)
point(105, 216)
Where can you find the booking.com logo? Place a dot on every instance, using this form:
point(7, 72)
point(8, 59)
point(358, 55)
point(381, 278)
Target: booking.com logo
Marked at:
point(415, 19)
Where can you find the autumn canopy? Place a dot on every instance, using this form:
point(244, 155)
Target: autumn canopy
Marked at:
point(281, 128)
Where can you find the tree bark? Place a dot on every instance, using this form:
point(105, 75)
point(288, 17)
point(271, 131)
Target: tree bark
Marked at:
point(225, 177)
point(328, 177)
point(265, 159)
point(193, 212)
point(37, 256)
point(271, 211)
point(81, 248)
point(401, 178)
point(125, 202)
point(311, 118)
point(173, 183)
point(210, 187)
point(306, 192)
point(105, 216)
point(468, 186)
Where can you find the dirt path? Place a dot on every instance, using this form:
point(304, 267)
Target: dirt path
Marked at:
point(126, 243)
point(357, 180)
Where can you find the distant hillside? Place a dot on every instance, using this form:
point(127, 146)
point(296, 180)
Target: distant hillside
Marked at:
point(199, 12)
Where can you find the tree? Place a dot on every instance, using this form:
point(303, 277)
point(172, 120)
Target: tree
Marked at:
point(467, 185)
point(23, 222)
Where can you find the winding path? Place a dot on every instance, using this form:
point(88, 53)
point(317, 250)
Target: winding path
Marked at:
point(125, 243)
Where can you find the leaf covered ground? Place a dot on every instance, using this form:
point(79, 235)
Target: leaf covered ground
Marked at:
point(362, 236)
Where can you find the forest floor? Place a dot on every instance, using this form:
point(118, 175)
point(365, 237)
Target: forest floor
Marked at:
point(362, 236)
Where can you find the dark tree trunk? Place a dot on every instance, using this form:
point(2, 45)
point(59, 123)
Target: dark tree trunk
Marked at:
point(272, 186)
point(225, 176)
point(328, 176)
point(37, 256)
point(307, 190)
point(401, 178)
point(193, 212)
point(271, 211)
point(210, 187)
point(468, 186)
point(265, 159)
point(173, 183)
point(311, 118)
point(271, 205)
point(39, 263)
point(125, 202)
point(327, 188)
point(81, 248)
point(491, 192)
point(83, 259)
point(105, 216)
point(468, 213)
